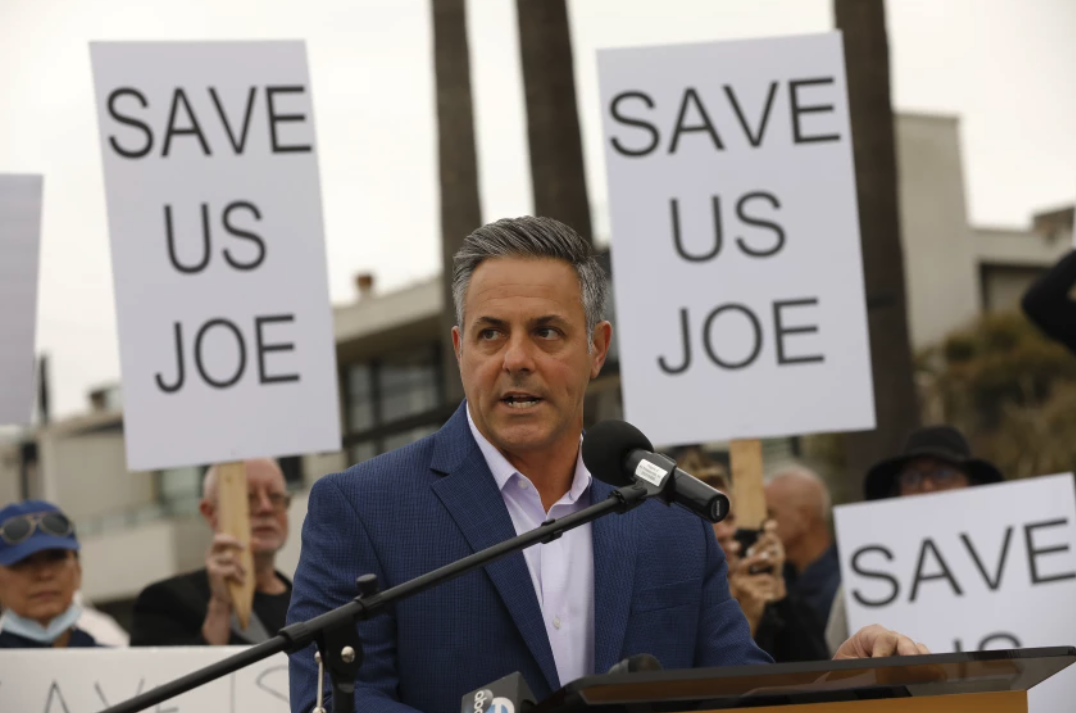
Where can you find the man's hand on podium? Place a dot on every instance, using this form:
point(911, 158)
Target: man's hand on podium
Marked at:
point(872, 642)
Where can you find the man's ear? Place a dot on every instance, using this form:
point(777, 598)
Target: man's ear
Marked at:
point(599, 347)
point(457, 342)
point(208, 512)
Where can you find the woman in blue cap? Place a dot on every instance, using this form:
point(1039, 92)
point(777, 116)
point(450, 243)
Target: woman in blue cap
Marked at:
point(39, 575)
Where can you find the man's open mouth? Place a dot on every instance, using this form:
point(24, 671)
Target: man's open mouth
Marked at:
point(521, 400)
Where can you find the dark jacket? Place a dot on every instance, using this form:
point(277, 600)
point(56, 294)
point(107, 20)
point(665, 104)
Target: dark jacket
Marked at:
point(1047, 302)
point(660, 582)
point(171, 612)
point(79, 639)
point(791, 631)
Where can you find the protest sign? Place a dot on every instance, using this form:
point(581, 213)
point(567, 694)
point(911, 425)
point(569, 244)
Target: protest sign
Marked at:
point(218, 255)
point(735, 239)
point(20, 240)
point(90, 680)
point(989, 567)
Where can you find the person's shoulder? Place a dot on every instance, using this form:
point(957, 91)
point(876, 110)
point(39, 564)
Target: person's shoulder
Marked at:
point(80, 638)
point(189, 584)
point(389, 473)
point(14, 641)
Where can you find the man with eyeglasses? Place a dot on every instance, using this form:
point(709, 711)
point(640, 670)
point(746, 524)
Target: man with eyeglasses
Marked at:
point(935, 458)
point(39, 575)
point(195, 609)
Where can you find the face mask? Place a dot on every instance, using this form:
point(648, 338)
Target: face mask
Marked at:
point(30, 629)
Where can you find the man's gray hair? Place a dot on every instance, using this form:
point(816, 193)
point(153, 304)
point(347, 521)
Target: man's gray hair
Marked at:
point(533, 237)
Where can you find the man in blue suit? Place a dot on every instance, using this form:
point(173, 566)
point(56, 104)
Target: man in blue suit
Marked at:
point(529, 300)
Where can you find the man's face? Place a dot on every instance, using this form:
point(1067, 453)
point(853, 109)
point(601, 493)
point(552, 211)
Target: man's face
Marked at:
point(42, 586)
point(523, 353)
point(268, 500)
point(929, 475)
point(787, 510)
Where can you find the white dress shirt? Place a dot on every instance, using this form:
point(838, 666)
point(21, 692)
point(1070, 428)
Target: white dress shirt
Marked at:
point(562, 570)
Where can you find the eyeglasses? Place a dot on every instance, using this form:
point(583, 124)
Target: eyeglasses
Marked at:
point(19, 528)
point(279, 501)
point(943, 476)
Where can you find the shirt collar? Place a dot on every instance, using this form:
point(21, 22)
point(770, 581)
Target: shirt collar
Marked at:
point(504, 472)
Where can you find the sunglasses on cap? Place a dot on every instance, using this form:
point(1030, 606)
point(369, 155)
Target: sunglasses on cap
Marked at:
point(19, 528)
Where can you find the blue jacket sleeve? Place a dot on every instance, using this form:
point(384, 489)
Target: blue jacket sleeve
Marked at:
point(336, 549)
point(724, 634)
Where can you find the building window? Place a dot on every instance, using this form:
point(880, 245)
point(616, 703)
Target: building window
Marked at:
point(408, 384)
point(180, 490)
point(360, 412)
point(393, 400)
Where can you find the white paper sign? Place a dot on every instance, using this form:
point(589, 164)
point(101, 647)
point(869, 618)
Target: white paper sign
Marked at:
point(735, 239)
point(990, 567)
point(218, 253)
point(90, 680)
point(20, 240)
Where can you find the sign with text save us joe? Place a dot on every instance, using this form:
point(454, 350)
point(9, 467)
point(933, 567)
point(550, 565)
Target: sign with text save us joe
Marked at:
point(218, 254)
point(735, 239)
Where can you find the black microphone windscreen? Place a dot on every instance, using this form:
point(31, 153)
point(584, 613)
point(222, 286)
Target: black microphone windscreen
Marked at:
point(606, 445)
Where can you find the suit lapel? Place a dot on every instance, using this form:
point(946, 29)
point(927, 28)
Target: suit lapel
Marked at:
point(614, 576)
point(470, 494)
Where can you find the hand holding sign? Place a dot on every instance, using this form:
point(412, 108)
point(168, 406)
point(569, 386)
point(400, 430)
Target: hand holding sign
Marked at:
point(235, 522)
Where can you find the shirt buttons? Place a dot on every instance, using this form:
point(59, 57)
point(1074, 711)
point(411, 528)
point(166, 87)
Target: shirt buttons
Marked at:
point(523, 483)
point(556, 622)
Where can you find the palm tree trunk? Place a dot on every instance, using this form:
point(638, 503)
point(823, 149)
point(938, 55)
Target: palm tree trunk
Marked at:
point(867, 61)
point(556, 146)
point(460, 209)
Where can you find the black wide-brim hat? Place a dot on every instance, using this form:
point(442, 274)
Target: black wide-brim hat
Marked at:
point(944, 443)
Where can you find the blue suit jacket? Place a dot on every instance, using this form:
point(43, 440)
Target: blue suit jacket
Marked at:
point(660, 583)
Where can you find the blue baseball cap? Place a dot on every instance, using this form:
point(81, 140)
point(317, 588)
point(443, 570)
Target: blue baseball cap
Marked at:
point(47, 535)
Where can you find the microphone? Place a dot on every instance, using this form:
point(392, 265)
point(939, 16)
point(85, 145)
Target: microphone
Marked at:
point(510, 694)
point(637, 664)
point(617, 453)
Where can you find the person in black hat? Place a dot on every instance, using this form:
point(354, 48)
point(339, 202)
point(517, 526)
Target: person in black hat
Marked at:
point(934, 458)
point(39, 575)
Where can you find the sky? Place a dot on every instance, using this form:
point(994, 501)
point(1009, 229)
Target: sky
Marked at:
point(1005, 67)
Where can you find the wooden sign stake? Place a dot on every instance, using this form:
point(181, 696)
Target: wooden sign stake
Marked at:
point(234, 513)
point(747, 485)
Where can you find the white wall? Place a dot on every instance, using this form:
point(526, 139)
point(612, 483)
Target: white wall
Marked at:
point(88, 476)
point(288, 558)
point(942, 285)
point(1001, 246)
point(9, 473)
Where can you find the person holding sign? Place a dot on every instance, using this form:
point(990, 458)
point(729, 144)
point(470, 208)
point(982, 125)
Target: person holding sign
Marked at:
point(782, 624)
point(935, 459)
point(800, 503)
point(39, 576)
point(530, 298)
point(196, 609)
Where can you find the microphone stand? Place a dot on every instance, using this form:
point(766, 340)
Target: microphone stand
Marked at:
point(334, 632)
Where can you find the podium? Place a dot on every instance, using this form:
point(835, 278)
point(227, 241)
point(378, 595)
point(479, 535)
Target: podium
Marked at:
point(974, 682)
